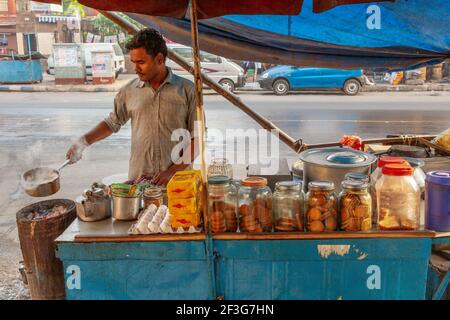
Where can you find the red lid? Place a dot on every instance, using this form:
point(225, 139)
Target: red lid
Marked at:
point(384, 160)
point(398, 169)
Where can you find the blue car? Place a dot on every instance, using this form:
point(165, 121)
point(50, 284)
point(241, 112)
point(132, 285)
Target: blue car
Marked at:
point(282, 79)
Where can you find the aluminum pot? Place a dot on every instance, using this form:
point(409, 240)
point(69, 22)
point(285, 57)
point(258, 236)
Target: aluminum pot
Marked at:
point(94, 204)
point(126, 208)
point(42, 182)
point(332, 164)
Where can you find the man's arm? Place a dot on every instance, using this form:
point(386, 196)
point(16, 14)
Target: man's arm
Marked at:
point(99, 132)
point(190, 153)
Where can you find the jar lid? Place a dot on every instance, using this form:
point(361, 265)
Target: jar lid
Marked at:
point(345, 158)
point(219, 180)
point(288, 186)
point(439, 177)
point(384, 160)
point(152, 192)
point(254, 182)
point(398, 169)
point(414, 162)
point(321, 185)
point(354, 184)
point(357, 176)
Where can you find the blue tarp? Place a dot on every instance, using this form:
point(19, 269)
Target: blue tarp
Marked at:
point(387, 35)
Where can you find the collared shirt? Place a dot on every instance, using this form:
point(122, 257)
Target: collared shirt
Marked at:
point(154, 115)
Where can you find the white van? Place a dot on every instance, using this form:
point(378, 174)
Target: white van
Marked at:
point(229, 74)
point(119, 59)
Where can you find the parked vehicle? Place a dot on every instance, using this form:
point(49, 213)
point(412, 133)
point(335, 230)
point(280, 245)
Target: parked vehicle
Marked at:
point(119, 59)
point(283, 79)
point(229, 74)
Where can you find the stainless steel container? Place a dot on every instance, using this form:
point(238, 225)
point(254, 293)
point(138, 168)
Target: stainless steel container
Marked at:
point(332, 164)
point(126, 208)
point(94, 204)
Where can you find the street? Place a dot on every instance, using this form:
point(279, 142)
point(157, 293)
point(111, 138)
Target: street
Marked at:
point(36, 129)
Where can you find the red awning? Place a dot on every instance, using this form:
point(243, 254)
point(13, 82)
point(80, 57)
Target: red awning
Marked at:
point(211, 8)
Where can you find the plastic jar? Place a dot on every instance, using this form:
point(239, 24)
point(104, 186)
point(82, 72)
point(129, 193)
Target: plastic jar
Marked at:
point(153, 195)
point(375, 176)
point(321, 202)
point(398, 198)
point(288, 203)
point(222, 204)
point(255, 205)
point(355, 206)
point(437, 200)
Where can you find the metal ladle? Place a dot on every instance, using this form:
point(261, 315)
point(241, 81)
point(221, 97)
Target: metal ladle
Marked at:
point(48, 186)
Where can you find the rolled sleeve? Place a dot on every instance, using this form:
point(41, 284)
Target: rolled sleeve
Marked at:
point(119, 116)
point(192, 110)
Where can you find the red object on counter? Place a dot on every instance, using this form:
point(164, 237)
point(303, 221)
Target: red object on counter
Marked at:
point(353, 142)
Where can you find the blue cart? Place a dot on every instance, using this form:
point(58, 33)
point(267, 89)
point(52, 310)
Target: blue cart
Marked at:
point(101, 261)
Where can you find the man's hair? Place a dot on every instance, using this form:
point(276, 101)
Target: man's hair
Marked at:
point(149, 39)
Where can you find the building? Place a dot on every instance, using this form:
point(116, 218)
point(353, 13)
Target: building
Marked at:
point(8, 17)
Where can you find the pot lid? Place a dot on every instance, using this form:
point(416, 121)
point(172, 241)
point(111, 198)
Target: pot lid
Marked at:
point(357, 176)
point(439, 177)
point(321, 185)
point(219, 180)
point(337, 157)
point(288, 186)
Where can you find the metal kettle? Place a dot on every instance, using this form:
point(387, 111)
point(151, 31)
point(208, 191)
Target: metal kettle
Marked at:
point(94, 204)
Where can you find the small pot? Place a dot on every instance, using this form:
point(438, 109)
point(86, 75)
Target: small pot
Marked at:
point(126, 208)
point(332, 164)
point(44, 189)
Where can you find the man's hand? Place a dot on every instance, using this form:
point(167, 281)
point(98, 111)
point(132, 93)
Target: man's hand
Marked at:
point(76, 150)
point(164, 177)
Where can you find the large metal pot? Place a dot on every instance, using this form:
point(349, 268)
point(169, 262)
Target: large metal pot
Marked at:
point(332, 164)
point(126, 208)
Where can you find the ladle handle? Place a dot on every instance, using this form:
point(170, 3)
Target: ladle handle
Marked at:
point(63, 165)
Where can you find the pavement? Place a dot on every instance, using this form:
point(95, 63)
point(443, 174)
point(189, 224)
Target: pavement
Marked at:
point(48, 85)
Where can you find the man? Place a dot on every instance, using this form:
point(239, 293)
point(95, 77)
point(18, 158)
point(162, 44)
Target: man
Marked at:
point(157, 102)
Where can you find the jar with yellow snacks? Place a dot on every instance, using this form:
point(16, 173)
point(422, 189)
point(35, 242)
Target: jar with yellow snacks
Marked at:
point(288, 202)
point(355, 203)
point(255, 205)
point(321, 203)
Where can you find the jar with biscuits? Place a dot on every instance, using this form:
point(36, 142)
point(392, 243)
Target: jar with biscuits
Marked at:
point(288, 203)
point(355, 206)
point(255, 205)
point(222, 204)
point(321, 204)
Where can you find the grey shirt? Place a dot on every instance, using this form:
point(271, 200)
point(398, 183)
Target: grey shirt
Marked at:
point(154, 115)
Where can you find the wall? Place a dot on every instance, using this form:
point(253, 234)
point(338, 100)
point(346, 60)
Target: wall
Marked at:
point(45, 42)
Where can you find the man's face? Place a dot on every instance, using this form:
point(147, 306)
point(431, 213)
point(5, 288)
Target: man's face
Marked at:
point(146, 66)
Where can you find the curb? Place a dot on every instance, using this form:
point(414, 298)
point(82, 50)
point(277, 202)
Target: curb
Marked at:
point(115, 88)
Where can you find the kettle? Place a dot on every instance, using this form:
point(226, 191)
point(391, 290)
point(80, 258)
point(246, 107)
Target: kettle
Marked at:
point(94, 204)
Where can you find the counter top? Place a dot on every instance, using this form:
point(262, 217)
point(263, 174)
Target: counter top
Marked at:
point(111, 230)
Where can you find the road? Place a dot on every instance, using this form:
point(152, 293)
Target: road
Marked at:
point(37, 128)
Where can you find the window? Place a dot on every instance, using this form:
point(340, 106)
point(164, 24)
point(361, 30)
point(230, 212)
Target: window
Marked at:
point(4, 5)
point(3, 39)
point(207, 57)
point(186, 53)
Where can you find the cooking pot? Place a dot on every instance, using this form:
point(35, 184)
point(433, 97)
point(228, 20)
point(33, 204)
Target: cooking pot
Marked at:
point(332, 164)
point(42, 182)
point(126, 208)
point(94, 204)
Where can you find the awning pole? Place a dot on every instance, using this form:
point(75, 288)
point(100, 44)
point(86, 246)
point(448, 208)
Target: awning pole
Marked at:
point(199, 105)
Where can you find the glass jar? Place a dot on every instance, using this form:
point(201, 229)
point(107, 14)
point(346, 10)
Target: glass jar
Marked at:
point(153, 195)
point(355, 206)
point(321, 201)
point(398, 198)
point(222, 204)
point(255, 205)
point(357, 176)
point(220, 167)
point(288, 202)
